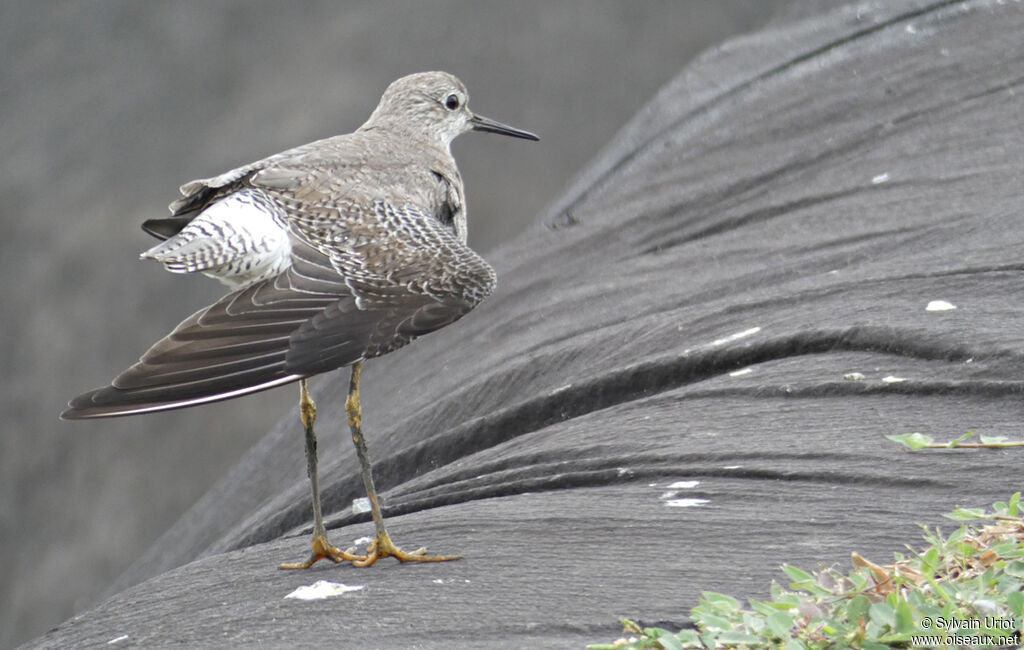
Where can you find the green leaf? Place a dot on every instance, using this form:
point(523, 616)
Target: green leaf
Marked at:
point(714, 622)
point(966, 550)
point(966, 514)
point(913, 440)
point(1012, 506)
point(961, 439)
point(721, 602)
point(689, 637)
point(767, 609)
point(733, 636)
point(754, 623)
point(780, 624)
point(861, 580)
point(1014, 552)
point(670, 642)
point(930, 560)
point(1004, 549)
point(905, 623)
point(1015, 599)
point(991, 440)
point(858, 608)
point(958, 535)
point(883, 614)
point(1015, 569)
point(797, 575)
point(916, 599)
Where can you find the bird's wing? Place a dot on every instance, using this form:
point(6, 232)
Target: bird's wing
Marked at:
point(198, 195)
point(363, 281)
point(292, 164)
point(402, 264)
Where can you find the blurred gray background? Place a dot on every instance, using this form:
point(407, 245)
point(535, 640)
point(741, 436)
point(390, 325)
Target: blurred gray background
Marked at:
point(108, 106)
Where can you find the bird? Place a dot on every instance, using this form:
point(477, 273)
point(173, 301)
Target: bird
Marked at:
point(335, 252)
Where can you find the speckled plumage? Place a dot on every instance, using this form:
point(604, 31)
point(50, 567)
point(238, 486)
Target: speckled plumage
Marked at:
point(339, 250)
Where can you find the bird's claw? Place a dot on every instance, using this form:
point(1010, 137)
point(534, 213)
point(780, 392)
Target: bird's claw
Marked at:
point(383, 547)
point(324, 550)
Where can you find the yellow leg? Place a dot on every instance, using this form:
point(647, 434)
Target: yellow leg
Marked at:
point(322, 549)
point(382, 546)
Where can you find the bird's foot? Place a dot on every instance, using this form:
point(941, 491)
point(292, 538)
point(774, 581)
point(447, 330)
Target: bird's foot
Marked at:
point(384, 547)
point(324, 550)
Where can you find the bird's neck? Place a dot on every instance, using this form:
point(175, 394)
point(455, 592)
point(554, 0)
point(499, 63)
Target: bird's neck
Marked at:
point(386, 126)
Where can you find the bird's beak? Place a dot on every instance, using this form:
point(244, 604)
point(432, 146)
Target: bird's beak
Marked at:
point(479, 123)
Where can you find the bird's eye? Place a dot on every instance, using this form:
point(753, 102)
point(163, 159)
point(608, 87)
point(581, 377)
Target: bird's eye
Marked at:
point(452, 102)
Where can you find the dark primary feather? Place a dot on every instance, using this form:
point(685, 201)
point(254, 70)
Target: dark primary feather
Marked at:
point(166, 227)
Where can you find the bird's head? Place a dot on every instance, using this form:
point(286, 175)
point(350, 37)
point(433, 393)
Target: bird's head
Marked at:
point(433, 105)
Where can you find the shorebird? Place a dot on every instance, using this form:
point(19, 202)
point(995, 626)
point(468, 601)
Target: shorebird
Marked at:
point(336, 251)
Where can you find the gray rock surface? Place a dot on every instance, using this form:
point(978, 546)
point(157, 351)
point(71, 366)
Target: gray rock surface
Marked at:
point(109, 106)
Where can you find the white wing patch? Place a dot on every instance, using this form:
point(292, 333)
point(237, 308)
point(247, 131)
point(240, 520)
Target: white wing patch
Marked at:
point(240, 239)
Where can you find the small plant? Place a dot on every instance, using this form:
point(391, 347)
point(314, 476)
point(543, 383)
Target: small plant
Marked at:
point(917, 441)
point(960, 591)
